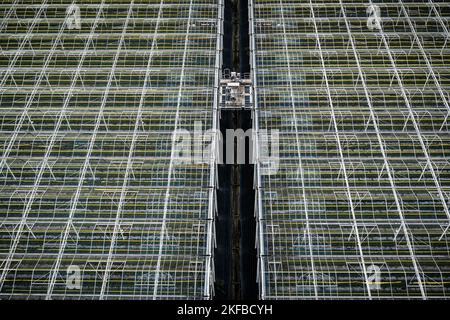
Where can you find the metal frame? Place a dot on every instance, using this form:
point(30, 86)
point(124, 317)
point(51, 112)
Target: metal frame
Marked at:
point(363, 180)
point(88, 175)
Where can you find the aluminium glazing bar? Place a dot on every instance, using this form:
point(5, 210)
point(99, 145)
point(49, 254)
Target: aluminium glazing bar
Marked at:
point(8, 72)
point(444, 100)
point(342, 159)
point(172, 157)
point(419, 136)
point(258, 185)
point(302, 178)
point(387, 166)
point(44, 164)
point(11, 11)
point(210, 244)
point(123, 192)
point(69, 224)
